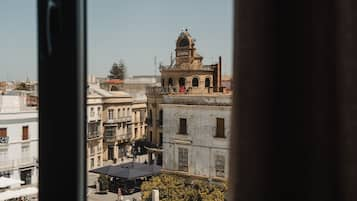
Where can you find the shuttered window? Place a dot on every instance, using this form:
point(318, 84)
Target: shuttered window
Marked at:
point(25, 133)
point(220, 162)
point(220, 128)
point(183, 126)
point(3, 132)
point(183, 159)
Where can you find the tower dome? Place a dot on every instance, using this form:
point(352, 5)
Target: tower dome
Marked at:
point(184, 40)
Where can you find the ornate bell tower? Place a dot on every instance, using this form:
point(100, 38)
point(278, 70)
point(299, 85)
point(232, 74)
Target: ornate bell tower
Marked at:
point(186, 51)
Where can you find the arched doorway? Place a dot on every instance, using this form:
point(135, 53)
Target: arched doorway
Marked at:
point(182, 84)
point(195, 82)
point(171, 83)
point(182, 81)
point(207, 82)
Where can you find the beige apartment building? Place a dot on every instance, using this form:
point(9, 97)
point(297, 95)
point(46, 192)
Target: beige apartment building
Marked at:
point(94, 128)
point(189, 115)
point(115, 121)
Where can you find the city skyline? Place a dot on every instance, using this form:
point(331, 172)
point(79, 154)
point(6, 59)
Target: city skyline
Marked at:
point(133, 31)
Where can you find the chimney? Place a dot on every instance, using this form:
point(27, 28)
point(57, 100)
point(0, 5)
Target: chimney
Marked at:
point(219, 73)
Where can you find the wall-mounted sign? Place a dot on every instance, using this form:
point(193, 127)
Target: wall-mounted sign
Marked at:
point(4, 140)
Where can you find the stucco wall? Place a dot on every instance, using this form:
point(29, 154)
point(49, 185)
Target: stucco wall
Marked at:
point(201, 142)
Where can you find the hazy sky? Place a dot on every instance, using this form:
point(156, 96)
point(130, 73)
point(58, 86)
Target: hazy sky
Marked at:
point(132, 30)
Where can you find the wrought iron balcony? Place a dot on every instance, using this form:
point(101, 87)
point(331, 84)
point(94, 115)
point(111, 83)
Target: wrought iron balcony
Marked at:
point(93, 135)
point(109, 138)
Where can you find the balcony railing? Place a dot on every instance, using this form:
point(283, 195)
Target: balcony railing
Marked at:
point(93, 135)
point(18, 163)
point(109, 138)
point(118, 120)
point(4, 140)
point(126, 136)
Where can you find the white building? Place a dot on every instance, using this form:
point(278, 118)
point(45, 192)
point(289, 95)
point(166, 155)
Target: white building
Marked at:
point(196, 134)
point(18, 139)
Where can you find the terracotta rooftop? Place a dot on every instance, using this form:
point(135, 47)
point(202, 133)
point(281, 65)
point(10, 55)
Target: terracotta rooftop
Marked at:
point(114, 81)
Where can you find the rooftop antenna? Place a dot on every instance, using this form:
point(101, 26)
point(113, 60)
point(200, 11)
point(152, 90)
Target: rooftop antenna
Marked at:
point(155, 64)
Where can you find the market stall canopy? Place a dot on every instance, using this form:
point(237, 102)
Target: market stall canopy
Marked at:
point(10, 194)
point(129, 171)
point(6, 182)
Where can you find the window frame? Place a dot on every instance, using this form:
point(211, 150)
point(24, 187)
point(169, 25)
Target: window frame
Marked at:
point(25, 132)
point(182, 130)
point(183, 165)
point(220, 132)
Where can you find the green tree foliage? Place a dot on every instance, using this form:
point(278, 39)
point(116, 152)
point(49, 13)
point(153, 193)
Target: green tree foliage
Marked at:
point(173, 188)
point(118, 71)
point(103, 182)
point(22, 86)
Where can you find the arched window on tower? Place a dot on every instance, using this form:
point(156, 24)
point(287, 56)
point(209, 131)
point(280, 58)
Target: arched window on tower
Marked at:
point(195, 82)
point(207, 82)
point(171, 82)
point(184, 42)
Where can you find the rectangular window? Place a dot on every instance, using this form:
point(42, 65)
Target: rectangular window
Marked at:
point(3, 156)
point(119, 113)
point(183, 159)
point(25, 133)
point(161, 117)
point(98, 161)
point(99, 148)
point(91, 150)
point(220, 128)
point(98, 112)
point(92, 112)
point(219, 163)
point(183, 126)
point(92, 163)
point(3, 132)
point(161, 139)
point(110, 114)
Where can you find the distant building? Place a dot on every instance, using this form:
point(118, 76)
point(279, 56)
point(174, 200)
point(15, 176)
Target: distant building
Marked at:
point(112, 84)
point(18, 139)
point(189, 115)
point(115, 122)
point(94, 128)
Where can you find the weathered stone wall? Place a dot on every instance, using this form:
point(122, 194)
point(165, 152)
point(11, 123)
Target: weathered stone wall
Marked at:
point(201, 142)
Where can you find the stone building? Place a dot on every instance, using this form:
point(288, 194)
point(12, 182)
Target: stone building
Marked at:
point(116, 121)
point(94, 128)
point(196, 134)
point(189, 115)
point(188, 74)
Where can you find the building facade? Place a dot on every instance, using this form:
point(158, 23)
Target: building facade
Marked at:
point(115, 122)
point(18, 139)
point(189, 115)
point(196, 134)
point(94, 129)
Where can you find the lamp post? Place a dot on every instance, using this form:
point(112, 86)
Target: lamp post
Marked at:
point(133, 152)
